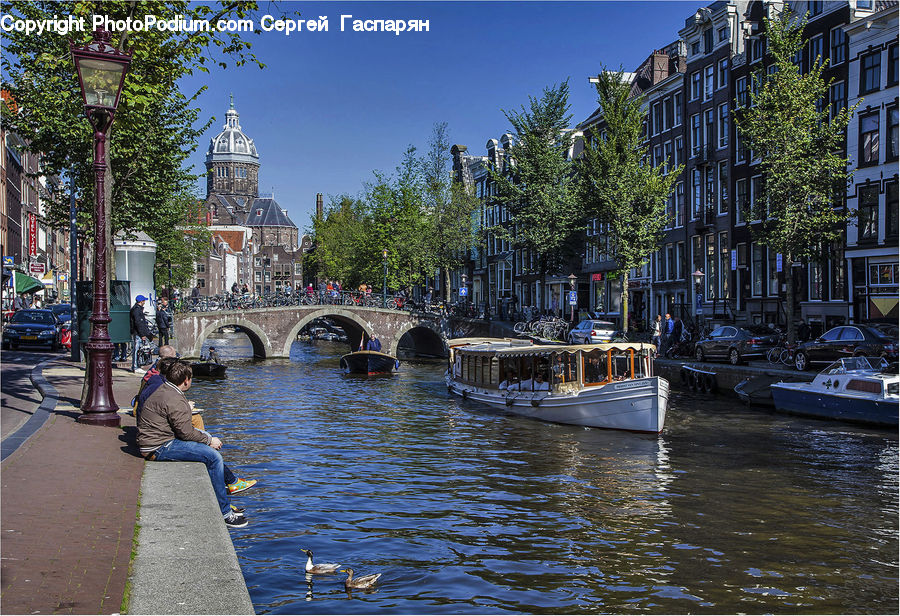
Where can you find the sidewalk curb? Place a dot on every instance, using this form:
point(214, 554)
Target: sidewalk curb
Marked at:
point(15, 440)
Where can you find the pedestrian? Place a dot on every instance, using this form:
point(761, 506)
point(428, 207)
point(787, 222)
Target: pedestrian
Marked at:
point(657, 333)
point(235, 289)
point(195, 295)
point(667, 340)
point(140, 331)
point(19, 302)
point(677, 331)
point(163, 320)
point(165, 434)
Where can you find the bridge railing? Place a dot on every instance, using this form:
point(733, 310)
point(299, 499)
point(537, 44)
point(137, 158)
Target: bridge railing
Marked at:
point(236, 302)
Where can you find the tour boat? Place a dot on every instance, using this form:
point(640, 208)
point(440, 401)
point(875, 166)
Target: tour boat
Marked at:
point(369, 362)
point(606, 385)
point(854, 389)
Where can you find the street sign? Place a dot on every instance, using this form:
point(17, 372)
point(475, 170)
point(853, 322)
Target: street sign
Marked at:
point(778, 262)
point(63, 277)
point(8, 261)
point(463, 291)
point(733, 258)
point(37, 268)
point(573, 298)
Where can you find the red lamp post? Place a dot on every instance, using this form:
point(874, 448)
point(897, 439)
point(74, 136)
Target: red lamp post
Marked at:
point(101, 73)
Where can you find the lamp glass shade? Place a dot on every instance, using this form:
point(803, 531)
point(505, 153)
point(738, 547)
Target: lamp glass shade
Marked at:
point(101, 81)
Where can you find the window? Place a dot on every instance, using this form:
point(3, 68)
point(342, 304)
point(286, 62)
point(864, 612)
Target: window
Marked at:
point(670, 262)
point(756, 49)
point(678, 103)
point(816, 275)
point(838, 97)
point(892, 65)
point(891, 133)
point(890, 210)
point(679, 262)
point(657, 155)
point(679, 151)
point(723, 73)
point(679, 203)
point(710, 190)
point(657, 118)
point(695, 48)
point(201, 283)
point(696, 253)
point(201, 268)
point(838, 46)
point(708, 85)
point(696, 188)
point(864, 4)
point(756, 269)
point(724, 264)
point(742, 199)
point(711, 273)
point(773, 272)
point(670, 211)
point(723, 33)
point(696, 135)
point(723, 187)
point(741, 90)
point(868, 139)
point(710, 130)
point(707, 40)
point(669, 162)
point(695, 85)
point(755, 195)
point(816, 47)
point(815, 7)
point(723, 125)
point(668, 113)
point(870, 72)
point(868, 213)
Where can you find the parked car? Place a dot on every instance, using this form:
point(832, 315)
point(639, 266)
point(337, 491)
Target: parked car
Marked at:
point(32, 326)
point(591, 331)
point(63, 312)
point(845, 341)
point(736, 343)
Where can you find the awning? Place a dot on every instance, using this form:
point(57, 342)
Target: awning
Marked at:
point(27, 284)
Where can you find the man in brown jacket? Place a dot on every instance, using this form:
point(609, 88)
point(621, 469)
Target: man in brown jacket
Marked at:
point(165, 434)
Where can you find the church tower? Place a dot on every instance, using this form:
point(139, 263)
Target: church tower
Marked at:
point(232, 163)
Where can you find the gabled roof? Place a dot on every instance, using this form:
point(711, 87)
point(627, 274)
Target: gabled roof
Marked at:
point(267, 213)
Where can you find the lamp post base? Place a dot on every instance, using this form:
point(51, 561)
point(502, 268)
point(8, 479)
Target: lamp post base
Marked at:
point(110, 420)
point(99, 406)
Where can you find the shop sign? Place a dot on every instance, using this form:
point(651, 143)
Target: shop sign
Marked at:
point(598, 277)
point(37, 268)
point(32, 234)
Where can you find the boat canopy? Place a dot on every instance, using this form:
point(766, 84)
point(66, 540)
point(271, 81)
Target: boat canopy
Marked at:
point(532, 350)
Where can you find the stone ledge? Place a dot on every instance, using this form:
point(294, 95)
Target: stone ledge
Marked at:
point(185, 561)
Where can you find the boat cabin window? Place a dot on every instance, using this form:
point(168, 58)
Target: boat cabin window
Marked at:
point(564, 368)
point(871, 387)
point(595, 367)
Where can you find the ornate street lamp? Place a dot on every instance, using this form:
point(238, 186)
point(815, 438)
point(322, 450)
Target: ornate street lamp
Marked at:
point(101, 73)
point(384, 286)
point(572, 279)
point(698, 292)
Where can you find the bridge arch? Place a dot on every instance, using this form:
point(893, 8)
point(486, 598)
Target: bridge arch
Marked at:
point(262, 347)
point(354, 325)
point(425, 339)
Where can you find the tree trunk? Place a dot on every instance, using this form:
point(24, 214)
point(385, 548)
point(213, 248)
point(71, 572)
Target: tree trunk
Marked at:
point(625, 301)
point(447, 286)
point(788, 262)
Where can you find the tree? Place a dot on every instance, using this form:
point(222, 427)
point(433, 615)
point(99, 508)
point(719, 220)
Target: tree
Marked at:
point(448, 205)
point(156, 127)
point(787, 125)
point(180, 244)
point(617, 183)
point(538, 189)
point(340, 242)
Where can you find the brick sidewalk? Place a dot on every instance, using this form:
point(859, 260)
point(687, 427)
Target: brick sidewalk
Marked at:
point(69, 501)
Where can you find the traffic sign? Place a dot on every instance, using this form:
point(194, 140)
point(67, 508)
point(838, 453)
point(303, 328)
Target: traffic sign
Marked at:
point(573, 298)
point(9, 261)
point(463, 291)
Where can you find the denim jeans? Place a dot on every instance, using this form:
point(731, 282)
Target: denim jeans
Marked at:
point(191, 451)
point(136, 340)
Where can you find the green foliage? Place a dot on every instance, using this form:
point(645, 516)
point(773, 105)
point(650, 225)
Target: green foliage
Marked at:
point(156, 125)
point(340, 252)
point(618, 185)
point(539, 188)
point(179, 243)
point(788, 128)
point(797, 144)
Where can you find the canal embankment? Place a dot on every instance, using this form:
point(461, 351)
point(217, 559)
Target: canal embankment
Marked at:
point(725, 376)
point(184, 561)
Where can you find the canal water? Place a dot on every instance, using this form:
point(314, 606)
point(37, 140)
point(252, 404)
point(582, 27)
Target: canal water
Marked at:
point(466, 510)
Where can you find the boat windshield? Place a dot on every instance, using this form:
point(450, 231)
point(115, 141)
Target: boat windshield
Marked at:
point(853, 364)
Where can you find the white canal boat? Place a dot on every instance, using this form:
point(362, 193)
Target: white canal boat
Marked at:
point(597, 385)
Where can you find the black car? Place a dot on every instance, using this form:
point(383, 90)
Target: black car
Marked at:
point(736, 343)
point(845, 341)
point(32, 326)
point(63, 312)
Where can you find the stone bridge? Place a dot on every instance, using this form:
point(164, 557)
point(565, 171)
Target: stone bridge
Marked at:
point(273, 330)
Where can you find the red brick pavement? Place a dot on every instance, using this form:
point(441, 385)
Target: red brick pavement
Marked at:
point(69, 504)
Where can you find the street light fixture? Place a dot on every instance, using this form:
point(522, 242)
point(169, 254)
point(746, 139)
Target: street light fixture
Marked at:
point(698, 291)
point(101, 74)
point(384, 286)
point(572, 279)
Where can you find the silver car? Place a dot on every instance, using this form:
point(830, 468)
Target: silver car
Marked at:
point(591, 331)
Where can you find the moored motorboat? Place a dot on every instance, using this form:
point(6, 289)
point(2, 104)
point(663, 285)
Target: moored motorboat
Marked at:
point(853, 389)
point(607, 385)
point(208, 369)
point(369, 362)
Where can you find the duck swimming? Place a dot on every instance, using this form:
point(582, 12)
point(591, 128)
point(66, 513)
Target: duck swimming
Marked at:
point(366, 581)
point(321, 568)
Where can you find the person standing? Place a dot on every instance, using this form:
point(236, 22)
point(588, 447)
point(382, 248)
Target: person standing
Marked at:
point(140, 331)
point(195, 295)
point(657, 333)
point(163, 320)
point(677, 330)
point(667, 340)
point(19, 302)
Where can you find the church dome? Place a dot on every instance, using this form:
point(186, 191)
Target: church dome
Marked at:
point(232, 145)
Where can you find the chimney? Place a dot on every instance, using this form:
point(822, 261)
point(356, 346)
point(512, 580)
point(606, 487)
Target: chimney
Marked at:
point(660, 66)
point(319, 206)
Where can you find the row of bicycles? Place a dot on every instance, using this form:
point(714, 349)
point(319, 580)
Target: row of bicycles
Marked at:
point(247, 301)
point(545, 327)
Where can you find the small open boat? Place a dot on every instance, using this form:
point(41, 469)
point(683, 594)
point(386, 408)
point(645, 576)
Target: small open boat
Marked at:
point(208, 369)
point(369, 362)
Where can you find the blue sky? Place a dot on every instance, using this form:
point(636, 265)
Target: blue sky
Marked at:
point(332, 107)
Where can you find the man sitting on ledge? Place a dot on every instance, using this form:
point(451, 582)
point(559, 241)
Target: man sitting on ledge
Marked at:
point(165, 434)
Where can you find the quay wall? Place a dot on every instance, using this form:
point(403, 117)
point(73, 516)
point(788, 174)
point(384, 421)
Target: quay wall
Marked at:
point(727, 376)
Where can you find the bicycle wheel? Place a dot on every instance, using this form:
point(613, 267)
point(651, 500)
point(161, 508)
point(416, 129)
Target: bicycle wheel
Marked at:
point(774, 355)
point(787, 357)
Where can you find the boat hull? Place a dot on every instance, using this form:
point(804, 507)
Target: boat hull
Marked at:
point(797, 398)
point(369, 362)
point(637, 405)
point(208, 369)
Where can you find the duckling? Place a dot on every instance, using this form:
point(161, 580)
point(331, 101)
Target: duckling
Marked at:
point(321, 568)
point(366, 581)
